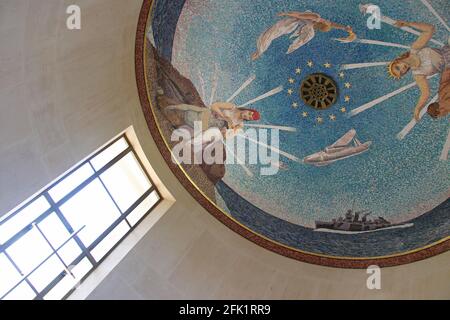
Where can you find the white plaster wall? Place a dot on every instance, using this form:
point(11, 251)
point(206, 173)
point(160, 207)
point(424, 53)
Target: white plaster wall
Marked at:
point(65, 93)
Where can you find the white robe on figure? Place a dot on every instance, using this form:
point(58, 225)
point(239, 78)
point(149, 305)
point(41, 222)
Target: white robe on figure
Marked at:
point(304, 32)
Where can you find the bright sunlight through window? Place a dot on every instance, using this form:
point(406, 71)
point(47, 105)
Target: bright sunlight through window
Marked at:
point(49, 245)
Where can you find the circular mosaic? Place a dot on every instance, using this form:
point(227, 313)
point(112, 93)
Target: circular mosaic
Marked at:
point(319, 91)
point(303, 125)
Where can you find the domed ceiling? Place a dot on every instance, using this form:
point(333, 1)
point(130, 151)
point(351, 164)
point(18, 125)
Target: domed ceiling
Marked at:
point(317, 129)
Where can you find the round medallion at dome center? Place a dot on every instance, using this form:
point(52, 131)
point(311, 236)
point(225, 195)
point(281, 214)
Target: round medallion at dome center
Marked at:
point(319, 91)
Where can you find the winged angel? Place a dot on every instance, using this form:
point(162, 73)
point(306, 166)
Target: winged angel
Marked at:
point(303, 26)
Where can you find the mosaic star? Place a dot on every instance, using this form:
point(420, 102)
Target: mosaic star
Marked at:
point(341, 74)
point(327, 65)
point(305, 114)
point(295, 105)
point(319, 120)
point(347, 98)
point(298, 71)
point(290, 91)
point(332, 117)
point(343, 110)
point(291, 80)
point(348, 85)
point(310, 64)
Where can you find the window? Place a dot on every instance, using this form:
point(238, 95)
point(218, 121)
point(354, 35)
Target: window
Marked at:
point(52, 243)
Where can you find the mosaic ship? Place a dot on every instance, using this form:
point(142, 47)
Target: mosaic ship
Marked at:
point(352, 223)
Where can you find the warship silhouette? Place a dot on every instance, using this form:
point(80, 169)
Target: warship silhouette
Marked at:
point(352, 223)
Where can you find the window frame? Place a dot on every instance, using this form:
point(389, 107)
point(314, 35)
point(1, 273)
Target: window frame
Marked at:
point(55, 208)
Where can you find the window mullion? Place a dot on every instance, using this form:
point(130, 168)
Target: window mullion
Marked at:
point(55, 207)
point(25, 277)
point(22, 274)
point(109, 194)
point(54, 251)
point(90, 179)
point(142, 166)
point(19, 234)
point(70, 229)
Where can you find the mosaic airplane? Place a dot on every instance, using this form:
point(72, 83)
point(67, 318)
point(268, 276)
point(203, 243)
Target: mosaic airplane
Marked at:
point(340, 150)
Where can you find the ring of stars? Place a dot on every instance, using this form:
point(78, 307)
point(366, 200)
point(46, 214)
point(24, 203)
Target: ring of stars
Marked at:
point(304, 114)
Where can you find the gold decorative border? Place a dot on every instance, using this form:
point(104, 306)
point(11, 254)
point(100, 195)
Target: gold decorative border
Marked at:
point(313, 258)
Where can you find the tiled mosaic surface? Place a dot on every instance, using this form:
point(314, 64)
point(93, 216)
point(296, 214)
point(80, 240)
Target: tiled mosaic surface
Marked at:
point(395, 177)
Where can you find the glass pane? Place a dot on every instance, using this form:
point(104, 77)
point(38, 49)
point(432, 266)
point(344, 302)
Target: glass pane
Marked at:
point(69, 252)
point(110, 241)
point(126, 181)
point(142, 208)
point(23, 218)
point(68, 282)
point(71, 182)
point(22, 292)
point(9, 276)
point(54, 230)
point(29, 251)
point(57, 234)
point(106, 156)
point(46, 273)
point(91, 207)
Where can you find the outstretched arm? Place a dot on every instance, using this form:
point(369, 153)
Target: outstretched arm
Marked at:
point(186, 107)
point(351, 35)
point(339, 26)
point(428, 31)
point(301, 15)
point(204, 112)
point(424, 87)
point(219, 106)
